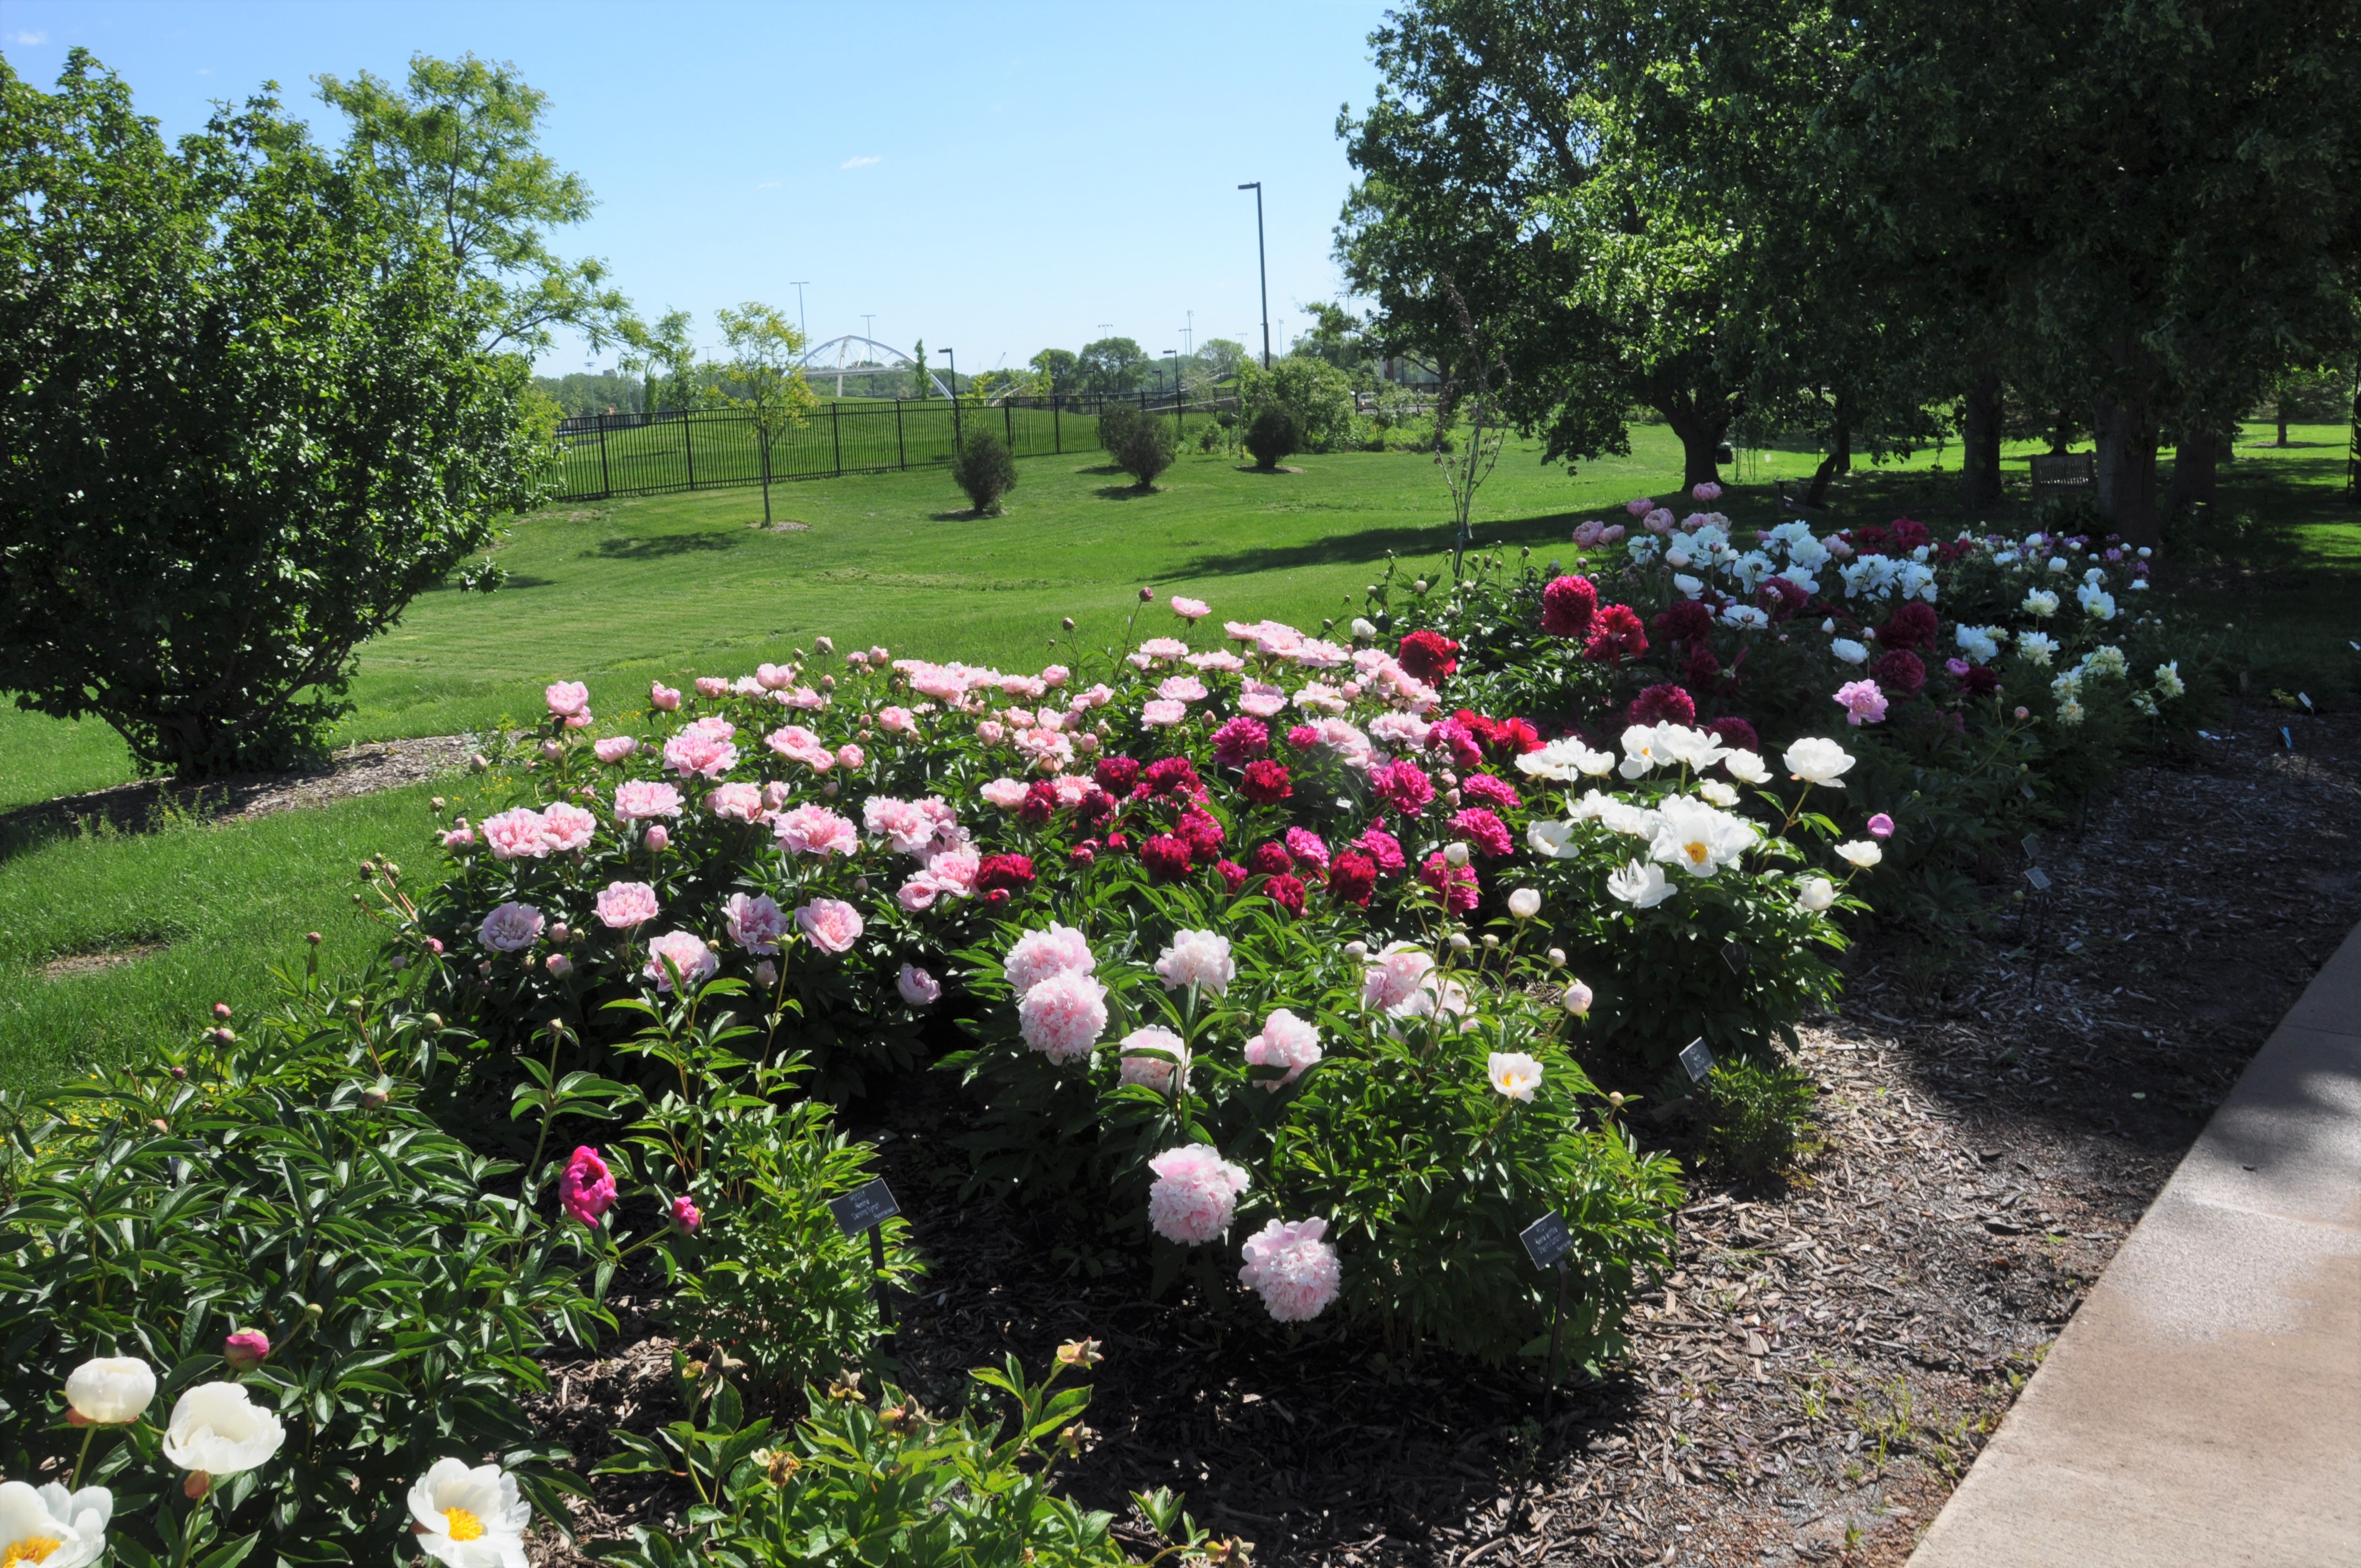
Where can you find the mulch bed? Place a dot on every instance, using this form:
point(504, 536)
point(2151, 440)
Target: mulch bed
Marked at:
point(1830, 1354)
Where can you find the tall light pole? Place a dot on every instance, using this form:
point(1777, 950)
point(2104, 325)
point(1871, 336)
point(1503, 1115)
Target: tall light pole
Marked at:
point(1262, 266)
point(952, 354)
point(802, 326)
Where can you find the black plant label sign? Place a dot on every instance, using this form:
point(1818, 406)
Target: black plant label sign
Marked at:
point(859, 1208)
point(1547, 1240)
point(1697, 1059)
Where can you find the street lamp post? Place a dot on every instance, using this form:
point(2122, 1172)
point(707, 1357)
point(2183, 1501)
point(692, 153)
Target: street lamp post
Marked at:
point(952, 354)
point(1262, 266)
point(802, 324)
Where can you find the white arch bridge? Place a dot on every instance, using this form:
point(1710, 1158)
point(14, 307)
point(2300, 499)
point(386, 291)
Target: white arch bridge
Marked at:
point(855, 355)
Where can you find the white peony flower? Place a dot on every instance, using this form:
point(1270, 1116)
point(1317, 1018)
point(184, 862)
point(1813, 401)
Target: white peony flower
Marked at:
point(2106, 659)
point(1862, 852)
point(52, 1527)
point(1201, 958)
point(2167, 680)
point(112, 1390)
point(2097, 602)
point(2041, 602)
point(1695, 749)
point(1691, 586)
point(1524, 903)
point(1745, 767)
point(1566, 760)
point(470, 1518)
point(1979, 645)
point(1697, 837)
point(218, 1429)
point(2058, 562)
point(1640, 750)
point(1850, 652)
point(2070, 712)
point(1363, 629)
point(1549, 839)
point(1817, 895)
point(2035, 647)
point(1641, 884)
point(1718, 792)
point(1514, 1074)
point(1818, 761)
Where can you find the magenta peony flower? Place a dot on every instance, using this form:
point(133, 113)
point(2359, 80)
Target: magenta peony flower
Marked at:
point(1485, 831)
point(1296, 1273)
point(829, 924)
point(1037, 955)
point(587, 1188)
point(755, 923)
point(566, 699)
point(516, 834)
point(1455, 884)
point(1862, 702)
point(247, 1349)
point(623, 904)
point(816, 830)
point(614, 749)
point(642, 798)
point(1383, 848)
point(510, 927)
point(1266, 781)
point(1063, 1017)
point(1306, 847)
point(1240, 742)
point(918, 988)
point(1195, 1195)
point(1881, 826)
point(686, 1218)
point(1286, 1041)
point(1402, 785)
point(687, 952)
point(1167, 858)
point(1486, 789)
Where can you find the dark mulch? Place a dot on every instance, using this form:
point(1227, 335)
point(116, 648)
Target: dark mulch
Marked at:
point(1831, 1353)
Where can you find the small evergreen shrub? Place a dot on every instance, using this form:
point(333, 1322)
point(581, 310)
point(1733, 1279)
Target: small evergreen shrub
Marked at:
point(984, 469)
point(1270, 437)
point(1143, 446)
point(1759, 1114)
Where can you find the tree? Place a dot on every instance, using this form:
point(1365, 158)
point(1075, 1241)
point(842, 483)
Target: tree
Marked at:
point(1270, 437)
point(1140, 444)
point(761, 377)
point(666, 358)
point(1058, 368)
point(1220, 357)
point(925, 382)
point(984, 469)
point(459, 152)
point(248, 416)
point(1316, 397)
point(1112, 366)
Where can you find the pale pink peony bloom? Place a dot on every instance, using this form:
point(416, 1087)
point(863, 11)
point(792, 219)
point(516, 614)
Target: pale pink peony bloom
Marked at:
point(712, 685)
point(1514, 1074)
point(658, 838)
point(510, 927)
point(640, 798)
point(663, 698)
point(1708, 492)
point(1220, 662)
point(1191, 611)
point(816, 830)
point(1881, 826)
point(701, 752)
point(1006, 794)
point(1150, 1056)
point(614, 749)
point(1394, 975)
point(851, 757)
point(918, 894)
point(774, 796)
point(736, 803)
point(460, 837)
point(755, 922)
point(1166, 648)
point(1286, 1041)
point(955, 868)
point(1639, 506)
point(558, 965)
point(906, 828)
point(1063, 1017)
point(623, 904)
point(775, 677)
point(829, 924)
point(516, 834)
point(1162, 713)
point(1296, 1273)
point(1195, 1195)
point(1612, 535)
point(991, 732)
point(566, 827)
point(1181, 688)
point(918, 988)
point(1201, 958)
point(1037, 955)
point(566, 699)
point(1863, 701)
point(687, 954)
point(1586, 535)
point(1262, 705)
point(897, 721)
point(1045, 748)
point(1659, 520)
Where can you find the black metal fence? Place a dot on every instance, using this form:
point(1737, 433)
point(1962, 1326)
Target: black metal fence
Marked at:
point(602, 455)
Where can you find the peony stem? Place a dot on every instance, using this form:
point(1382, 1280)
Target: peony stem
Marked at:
point(82, 1458)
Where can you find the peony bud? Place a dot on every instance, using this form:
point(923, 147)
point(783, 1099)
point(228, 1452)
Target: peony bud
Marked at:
point(1459, 942)
point(1068, 623)
point(686, 1218)
point(1576, 999)
point(1525, 903)
point(766, 974)
point(1148, 595)
point(313, 937)
point(552, 750)
point(247, 1349)
point(1356, 951)
point(221, 1011)
point(1557, 957)
point(825, 644)
point(658, 838)
point(1455, 853)
point(558, 965)
point(110, 1391)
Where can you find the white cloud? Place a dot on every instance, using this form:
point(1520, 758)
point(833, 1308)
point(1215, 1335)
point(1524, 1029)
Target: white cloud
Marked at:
point(28, 39)
point(859, 162)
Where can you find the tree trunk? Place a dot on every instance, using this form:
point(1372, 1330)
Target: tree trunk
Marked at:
point(2195, 462)
point(1698, 445)
point(767, 479)
point(2282, 441)
point(1980, 442)
point(2127, 466)
point(1837, 461)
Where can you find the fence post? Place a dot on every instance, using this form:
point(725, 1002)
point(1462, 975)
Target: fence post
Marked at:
point(688, 446)
point(1008, 423)
point(835, 434)
point(1057, 432)
point(901, 444)
point(605, 478)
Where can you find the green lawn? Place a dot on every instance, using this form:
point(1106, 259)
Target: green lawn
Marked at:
point(619, 593)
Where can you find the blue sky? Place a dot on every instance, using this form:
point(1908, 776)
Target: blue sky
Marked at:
point(992, 178)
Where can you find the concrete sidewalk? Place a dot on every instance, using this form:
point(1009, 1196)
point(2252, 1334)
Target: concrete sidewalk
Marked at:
point(2203, 1408)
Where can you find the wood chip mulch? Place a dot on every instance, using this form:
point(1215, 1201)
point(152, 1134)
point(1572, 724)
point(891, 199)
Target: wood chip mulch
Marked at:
point(1831, 1353)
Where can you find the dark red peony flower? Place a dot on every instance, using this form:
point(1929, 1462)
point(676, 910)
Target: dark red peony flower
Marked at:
point(1911, 625)
point(1083, 853)
point(1486, 789)
point(1039, 804)
point(1701, 669)
point(1455, 885)
point(1014, 872)
point(1780, 598)
point(1686, 622)
point(1485, 832)
point(1241, 740)
point(1735, 733)
point(1096, 806)
point(1271, 860)
point(1567, 605)
point(1202, 831)
point(1981, 680)
point(1286, 891)
point(1402, 785)
point(1352, 878)
point(1173, 776)
point(1616, 635)
point(1116, 774)
point(1232, 873)
point(1429, 655)
point(1166, 858)
point(1899, 673)
point(1906, 535)
point(1266, 783)
point(1384, 850)
point(1661, 703)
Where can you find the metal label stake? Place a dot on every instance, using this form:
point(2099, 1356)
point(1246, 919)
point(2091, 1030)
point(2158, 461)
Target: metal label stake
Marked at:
point(867, 1208)
point(1547, 1241)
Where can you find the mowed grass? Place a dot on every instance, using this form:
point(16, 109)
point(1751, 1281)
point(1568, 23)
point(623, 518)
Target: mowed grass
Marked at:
point(622, 593)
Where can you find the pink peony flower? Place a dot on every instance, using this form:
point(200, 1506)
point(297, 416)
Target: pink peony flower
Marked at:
point(1286, 1041)
point(1195, 1195)
point(736, 803)
point(1384, 848)
point(955, 869)
point(897, 721)
point(515, 834)
point(1639, 506)
point(566, 699)
point(991, 732)
point(1201, 958)
point(566, 827)
point(1881, 826)
point(1149, 1055)
point(657, 837)
point(849, 757)
point(1483, 831)
point(460, 837)
point(1181, 688)
point(1708, 492)
point(1191, 611)
point(558, 965)
point(663, 698)
point(623, 904)
point(918, 988)
point(245, 1351)
point(1296, 1273)
point(1402, 785)
point(1862, 702)
point(1005, 793)
point(1063, 1017)
point(816, 830)
point(1262, 705)
point(587, 1188)
point(1037, 955)
point(703, 749)
point(1455, 885)
point(918, 894)
point(642, 798)
point(1394, 975)
point(686, 1218)
point(1612, 534)
point(614, 749)
point(1240, 742)
point(687, 953)
point(1306, 847)
point(1162, 713)
point(906, 830)
point(510, 927)
point(755, 922)
point(829, 924)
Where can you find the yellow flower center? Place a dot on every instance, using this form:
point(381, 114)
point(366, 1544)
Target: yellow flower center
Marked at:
point(461, 1524)
point(30, 1549)
point(1697, 852)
